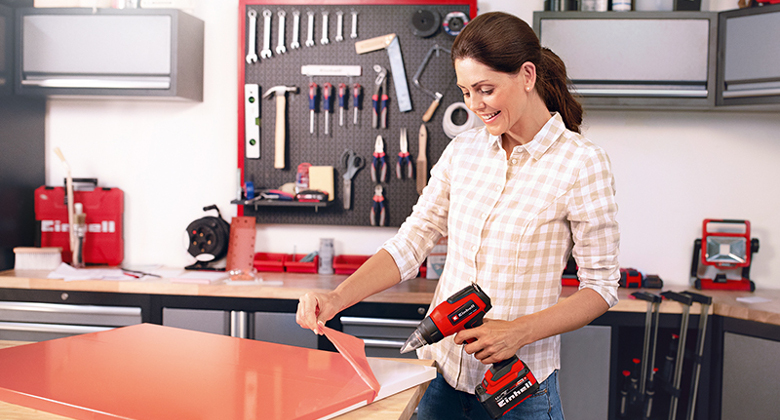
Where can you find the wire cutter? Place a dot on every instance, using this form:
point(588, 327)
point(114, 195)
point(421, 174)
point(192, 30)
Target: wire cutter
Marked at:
point(378, 212)
point(404, 165)
point(380, 101)
point(379, 165)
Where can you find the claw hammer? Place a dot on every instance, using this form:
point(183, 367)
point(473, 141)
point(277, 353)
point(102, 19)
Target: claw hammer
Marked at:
point(281, 105)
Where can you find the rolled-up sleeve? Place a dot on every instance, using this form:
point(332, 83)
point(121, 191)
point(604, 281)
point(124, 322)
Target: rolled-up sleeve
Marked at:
point(427, 223)
point(595, 230)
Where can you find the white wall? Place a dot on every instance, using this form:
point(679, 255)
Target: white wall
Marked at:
point(673, 169)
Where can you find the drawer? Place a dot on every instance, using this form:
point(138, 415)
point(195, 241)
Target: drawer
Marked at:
point(59, 313)
point(379, 327)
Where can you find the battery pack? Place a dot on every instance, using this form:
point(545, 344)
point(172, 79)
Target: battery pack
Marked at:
point(506, 384)
point(103, 243)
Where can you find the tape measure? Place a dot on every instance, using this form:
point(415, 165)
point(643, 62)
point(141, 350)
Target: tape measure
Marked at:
point(399, 76)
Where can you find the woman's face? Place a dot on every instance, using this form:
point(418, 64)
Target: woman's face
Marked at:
point(499, 99)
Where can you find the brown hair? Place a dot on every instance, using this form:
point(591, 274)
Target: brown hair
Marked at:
point(504, 42)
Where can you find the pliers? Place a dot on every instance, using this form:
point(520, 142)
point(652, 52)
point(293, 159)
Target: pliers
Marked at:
point(380, 101)
point(379, 165)
point(378, 212)
point(404, 165)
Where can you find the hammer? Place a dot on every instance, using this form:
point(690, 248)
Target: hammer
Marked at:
point(281, 104)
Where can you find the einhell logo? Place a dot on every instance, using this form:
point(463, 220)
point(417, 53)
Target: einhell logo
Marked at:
point(106, 226)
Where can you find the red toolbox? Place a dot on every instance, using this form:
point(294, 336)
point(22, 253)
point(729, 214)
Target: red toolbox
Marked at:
point(104, 207)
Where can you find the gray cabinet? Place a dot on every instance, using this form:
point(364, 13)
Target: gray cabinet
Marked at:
point(637, 60)
point(750, 372)
point(585, 372)
point(203, 320)
point(109, 52)
point(384, 337)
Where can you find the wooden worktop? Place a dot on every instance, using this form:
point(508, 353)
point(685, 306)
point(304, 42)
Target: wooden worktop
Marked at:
point(417, 291)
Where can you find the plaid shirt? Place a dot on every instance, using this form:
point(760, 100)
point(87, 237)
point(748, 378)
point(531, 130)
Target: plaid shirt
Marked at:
point(511, 224)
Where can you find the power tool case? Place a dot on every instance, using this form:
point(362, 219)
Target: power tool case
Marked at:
point(104, 207)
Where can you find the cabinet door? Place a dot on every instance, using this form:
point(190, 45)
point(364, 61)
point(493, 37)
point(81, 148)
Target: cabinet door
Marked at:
point(203, 320)
point(635, 59)
point(584, 375)
point(750, 372)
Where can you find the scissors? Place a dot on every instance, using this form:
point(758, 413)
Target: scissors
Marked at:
point(351, 163)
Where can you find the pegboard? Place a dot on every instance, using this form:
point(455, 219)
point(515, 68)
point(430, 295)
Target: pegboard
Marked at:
point(320, 149)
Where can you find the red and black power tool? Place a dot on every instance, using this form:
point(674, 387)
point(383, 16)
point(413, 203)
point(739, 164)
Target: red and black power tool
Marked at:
point(506, 383)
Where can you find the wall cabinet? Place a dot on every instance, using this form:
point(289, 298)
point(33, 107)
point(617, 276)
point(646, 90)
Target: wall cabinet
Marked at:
point(109, 52)
point(669, 60)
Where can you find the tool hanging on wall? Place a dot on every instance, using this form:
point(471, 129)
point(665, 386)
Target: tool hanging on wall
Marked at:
point(326, 103)
point(310, 31)
point(251, 121)
point(342, 102)
point(390, 43)
point(339, 26)
point(379, 166)
point(324, 40)
point(251, 49)
point(266, 51)
point(422, 160)
point(312, 105)
point(280, 48)
point(378, 208)
point(354, 34)
point(404, 166)
point(379, 102)
point(425, 23)
point(436, 95)
point(454, 22)
point(352, 163)
point(208, 240)
point(357, 101)
point(295, 44)
point(280, 129)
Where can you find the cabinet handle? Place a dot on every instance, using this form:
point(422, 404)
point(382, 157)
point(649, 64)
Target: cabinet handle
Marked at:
point(642, 92)
point(383, 322)
point(50, 328)
point(750, 92)
point(70, 309)
point(143, 83)
point(392, 344)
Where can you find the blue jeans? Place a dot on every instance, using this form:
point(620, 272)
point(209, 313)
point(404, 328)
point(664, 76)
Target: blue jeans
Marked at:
point(443, 402)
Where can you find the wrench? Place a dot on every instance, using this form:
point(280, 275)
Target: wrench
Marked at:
point(310, 38)
point(280, 48)
point(294, 45)
point(251, 55)
point(266, 52)
point(339, 26)
point(353, 35)
point(324, 40)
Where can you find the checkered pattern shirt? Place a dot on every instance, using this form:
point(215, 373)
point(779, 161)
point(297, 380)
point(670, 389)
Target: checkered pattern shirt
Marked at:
point(511, 224)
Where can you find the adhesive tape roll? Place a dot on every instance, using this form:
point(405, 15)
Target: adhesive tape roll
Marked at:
point(451, 129)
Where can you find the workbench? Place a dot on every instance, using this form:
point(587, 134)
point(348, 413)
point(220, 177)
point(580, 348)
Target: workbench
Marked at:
point(623, 324)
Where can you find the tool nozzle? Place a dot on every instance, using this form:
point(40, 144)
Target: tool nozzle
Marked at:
point(414, 342)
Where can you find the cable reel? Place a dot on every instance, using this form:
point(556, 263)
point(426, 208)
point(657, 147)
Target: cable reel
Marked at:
point(208, 239)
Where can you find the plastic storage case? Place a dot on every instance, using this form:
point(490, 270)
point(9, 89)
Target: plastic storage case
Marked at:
point(347, 264)
point(265, 261)
point(293, 266)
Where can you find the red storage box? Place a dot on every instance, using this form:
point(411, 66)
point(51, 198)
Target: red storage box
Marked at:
point(265, 261)
point(294, 266)
point(347, 264)
point(103, 243)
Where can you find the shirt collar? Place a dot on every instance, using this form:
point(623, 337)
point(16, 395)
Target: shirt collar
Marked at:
point(542, 141)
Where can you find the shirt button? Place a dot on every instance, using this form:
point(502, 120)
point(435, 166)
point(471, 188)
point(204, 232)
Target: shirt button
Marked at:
point(484, 215)
point(498, 188)
point(514, 161)
point(473, 247)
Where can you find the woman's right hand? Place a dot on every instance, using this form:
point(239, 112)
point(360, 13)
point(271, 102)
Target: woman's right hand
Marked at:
point(315, 308)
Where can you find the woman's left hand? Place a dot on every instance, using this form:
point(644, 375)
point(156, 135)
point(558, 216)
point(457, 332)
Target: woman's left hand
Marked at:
point(495, 340)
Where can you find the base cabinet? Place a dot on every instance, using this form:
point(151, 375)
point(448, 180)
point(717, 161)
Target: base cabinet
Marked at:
point(750, 388)
point(584, 375)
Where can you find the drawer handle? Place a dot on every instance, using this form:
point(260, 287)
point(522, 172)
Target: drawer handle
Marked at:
point(376, 322)
point(60, 308)
point(50, 328)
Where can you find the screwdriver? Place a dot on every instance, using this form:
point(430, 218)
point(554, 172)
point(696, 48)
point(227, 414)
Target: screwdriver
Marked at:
point(357, 92)
point(342, 103)
point(312, 105)
point(326, 88)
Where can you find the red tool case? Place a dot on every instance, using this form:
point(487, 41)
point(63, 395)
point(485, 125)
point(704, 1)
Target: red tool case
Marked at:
point(104, 208)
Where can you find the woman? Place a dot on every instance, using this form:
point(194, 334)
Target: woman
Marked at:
point(515, 198)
